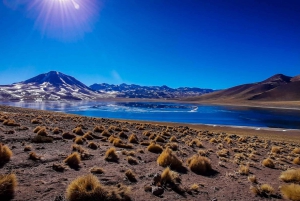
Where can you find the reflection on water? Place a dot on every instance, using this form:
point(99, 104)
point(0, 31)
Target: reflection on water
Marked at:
point(175, 112)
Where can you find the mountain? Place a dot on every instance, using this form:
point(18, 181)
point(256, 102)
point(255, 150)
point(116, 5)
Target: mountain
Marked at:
point(276, 88)
point(58, 86)
point(48, 86)
point(157, 92)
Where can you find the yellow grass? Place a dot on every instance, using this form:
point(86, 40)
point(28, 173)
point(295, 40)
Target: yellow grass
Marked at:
point(291, 192)
point(167, 158)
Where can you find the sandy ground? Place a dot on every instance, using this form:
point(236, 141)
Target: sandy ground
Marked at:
point(37, 180)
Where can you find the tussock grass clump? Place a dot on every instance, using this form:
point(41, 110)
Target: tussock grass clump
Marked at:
point(167, 158)
point(79, 140)
point(168, 176)
point(69, 136)
point(132, 161)
point(8, 184)
point(147, 133)
point(42, 132)
point(58, 167)
point(27, 148)
point(154, 148)
point(292, 175)
point(145, 143)
point(131, 176)
point(10, 122)
point(223, 153)
point(56, 131)
point(78, 131)
point(173, 145)
point(42, 139)
point(99, 129)
point(105, 133)
point(296, 161)
point(97, 170)
point(244, 169)
point(93, 145)
point(196, 142)
point(173, 139)
point(73, 160)
point(5, 153)
point(117, 142)
point(194, 187)
point(36, 121)
point(268, 163)
point(296, 151)
point(266, 189)
point(37, 129)
point(133, 139)
point(291, 192)
point(88, 136)
point(199, 164)
point(159, 139)
point(276, 150)
point(252, 179)
point(123, 135)
point(34, 156)
point(213, 140)
point(111, 155)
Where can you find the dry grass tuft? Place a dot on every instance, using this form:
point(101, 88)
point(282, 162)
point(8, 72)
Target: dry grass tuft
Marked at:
point(37, 129)
point(56, 131)
point(244, 169)
point(105, 133)
point(99, 129)
point(34, 156)
point(73, 160)
point(194, 187)
point(111, 155)
point(213, 140)
point(133, 139)
point(252, 179)
point(268, 163)
point(93, 145)
point(117, 142)
point(132, 161)
point(88, 136)
point(266, 189)
point(276, 150)
point(296, 161)
point(159, 139)
point(58, 167)
point(27, 148)
point(97, 170)
point(199, 164)
point(42, 132)
point(196, 142)
point(36, 121)
point(154, 148)
point(167, 158)
point(173, 139)
point(291, 192)
point(8, 183)
point(292, 175)
point(5, 154)
point(78, 131)
point(296, 151)
point(131, 176)
point(42, 139)
point(169, 176)
point(79, 140)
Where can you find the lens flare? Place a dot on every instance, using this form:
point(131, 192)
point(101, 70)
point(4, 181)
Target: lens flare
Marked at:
point(64, 19)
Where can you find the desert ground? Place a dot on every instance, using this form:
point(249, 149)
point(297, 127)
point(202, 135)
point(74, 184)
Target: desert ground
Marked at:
point(56, 156)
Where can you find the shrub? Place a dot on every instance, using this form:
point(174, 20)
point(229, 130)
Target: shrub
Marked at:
point(130, 175)
point(154, 148)
point(133, 139)
point(99, 129)
point(73, 160)
point(67, 135)
point(93, 145)
point(88, 135)
point(35, 121)
point(42, 139)
point(266, 189)
point(268, 163)
point(199, 164)
point(275, 150)
point(291, 192)
point(117, 142)
point(111, 155)
point(105, 133)
point(296, 161)
point(10, 122)
point(173, 146)
point(223, 153)
point(79, 140)
point(196, 142)
point(292, 175)
point(8, 183)
point(213, 140)
point(159, 139)
point(5, 154)
point(167, 158)
point(37, 129)
point(97, 170)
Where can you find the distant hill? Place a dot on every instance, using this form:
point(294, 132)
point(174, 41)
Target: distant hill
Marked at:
point(58, 86)
point(276, 88)
point(157, 92)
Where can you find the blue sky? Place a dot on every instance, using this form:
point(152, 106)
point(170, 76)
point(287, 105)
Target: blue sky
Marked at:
point(209, 44)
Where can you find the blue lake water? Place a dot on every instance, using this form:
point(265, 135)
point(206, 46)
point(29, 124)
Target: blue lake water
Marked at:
point(175, 112)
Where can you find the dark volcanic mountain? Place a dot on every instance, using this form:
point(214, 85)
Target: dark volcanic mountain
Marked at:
point(157, 92)
point(49, 86)
point(276, 88)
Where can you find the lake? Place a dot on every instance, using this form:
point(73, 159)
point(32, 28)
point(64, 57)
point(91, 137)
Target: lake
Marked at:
point(175, 112)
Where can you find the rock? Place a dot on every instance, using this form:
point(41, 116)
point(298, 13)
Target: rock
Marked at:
point(157, 191)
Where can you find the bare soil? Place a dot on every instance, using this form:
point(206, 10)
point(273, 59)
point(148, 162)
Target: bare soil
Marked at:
point(37, 180)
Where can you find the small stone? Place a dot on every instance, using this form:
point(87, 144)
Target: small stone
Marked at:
point(157, 191)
